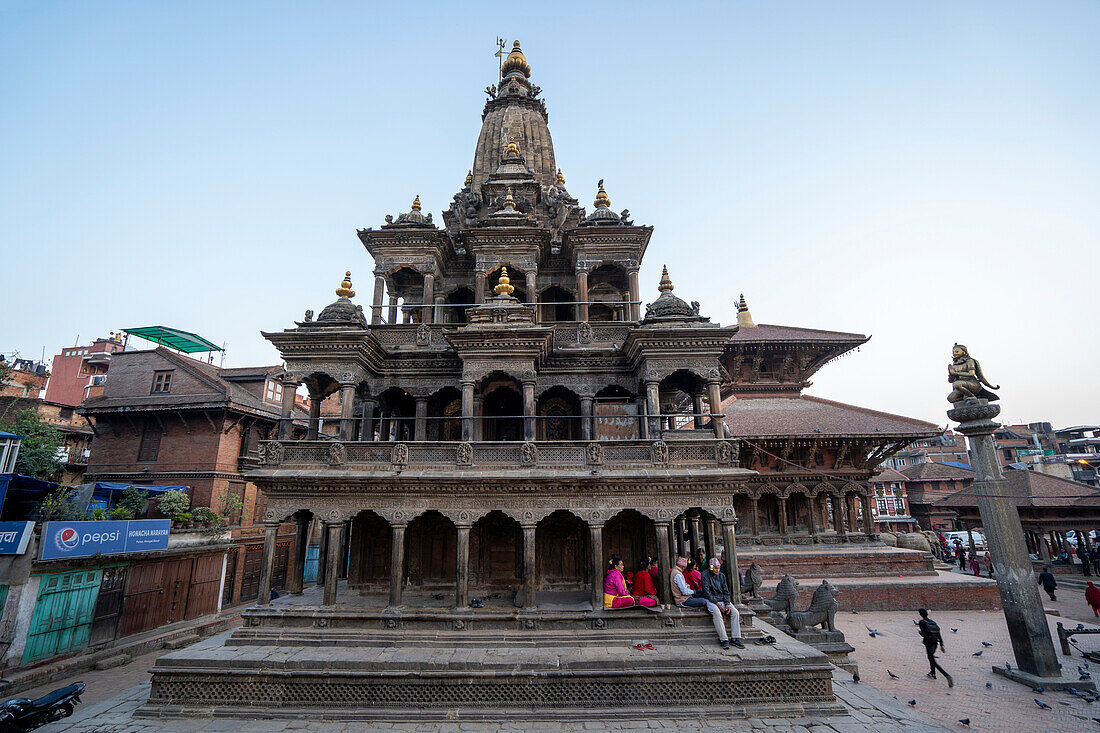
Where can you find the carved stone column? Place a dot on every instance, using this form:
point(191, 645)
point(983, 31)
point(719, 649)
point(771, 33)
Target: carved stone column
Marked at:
point(868, 518)
point(709, 544)
point(697, 408)
point(479, 287)
point(714, 399)
point(314, 416)
point(635, 309)
point(729, 539)
point(426, 300)
point(467, 411)
point(366, 425)
point(838, 515)
point(850, 505)
point(462, 567)
point(653, 408)
point(782, 516)
point(438, 315)
point(530, 589)
point(271, 535)
point(397, 563)
point(811, 505)
point(754, 501)
point(664, 562)
point(297, 569)
point(643, 425)
point(322, 556)
point(582, 296)
point(286, 417)
point(479, 413)
point(332, 562)
point(529, 410)
point(376, 308)
point(586, 417)
point(391, 316)
point(696, 540)
point(347, 411)
point(595, 541)
point(532, 296)
point(421, 425)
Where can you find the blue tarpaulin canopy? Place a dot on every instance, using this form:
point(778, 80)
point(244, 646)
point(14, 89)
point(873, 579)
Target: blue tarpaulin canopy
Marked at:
point(107, 489)
point(21, 488)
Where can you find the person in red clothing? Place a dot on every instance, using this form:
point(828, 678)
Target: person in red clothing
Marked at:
point(693, 576)
point(643, 581)
point(1092, 597)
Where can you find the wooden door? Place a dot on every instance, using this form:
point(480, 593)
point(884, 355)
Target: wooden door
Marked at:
point(282, 562)
point(230, 576)
point(206, 578)
point(177, 584)
point(108, 606)
point(250, 583)
point(62, 617)
point(142, 607)
point(562, 552)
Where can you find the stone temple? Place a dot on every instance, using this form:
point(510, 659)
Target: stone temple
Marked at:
point(513, 412)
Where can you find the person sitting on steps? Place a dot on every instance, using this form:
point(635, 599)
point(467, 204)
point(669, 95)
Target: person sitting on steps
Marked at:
point(685, 597)
point(614, 589)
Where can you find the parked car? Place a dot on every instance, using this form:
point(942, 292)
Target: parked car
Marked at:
point(964, 538)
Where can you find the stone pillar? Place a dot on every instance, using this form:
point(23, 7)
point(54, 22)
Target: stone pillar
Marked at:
point(421, 426)
point(1042, 549)
point(462, 567)
point(366, 427)
point(376, 308)
point(271, 535)
point(314, 416)
point(643, 425)
point(586, 417)
point(697, 408)
point(838, 515)
point(286, 418)
point(427, 299)
point(729, 538)
point(850, 506)
point(479, 412)
point(1023, 608)
point(635, 309)
point(595, 541)
point(391, 316)
point(782, 516)
point(532, 296)
point(709, 544)
point(438, 313)
point(297, 569)
point(868, 516)
point(970, 540)
point(322, 556)
point(467, 411)
point(479, 287)
point(696, 539)
point(347, 411)
point(529, 410)
point(664, 563)
point(653, 408)
point(811, 505)
point(332, 562)
point(714, 399)
point(530, 589)
point(582, 295)
point(755, 501)
point(397, 563)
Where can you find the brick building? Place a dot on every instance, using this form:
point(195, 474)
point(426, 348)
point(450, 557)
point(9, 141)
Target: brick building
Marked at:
point(22, 377)
point(79, 372)
point(164, 418)
point(946, 448)
point(891, 507)
point(926, 483)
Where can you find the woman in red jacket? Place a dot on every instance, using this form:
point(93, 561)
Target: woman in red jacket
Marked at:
point(643, 581)
point(1092, 597)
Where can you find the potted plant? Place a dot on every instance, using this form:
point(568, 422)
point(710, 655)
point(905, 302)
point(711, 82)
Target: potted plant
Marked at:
point(122, 513)
point(175, 505)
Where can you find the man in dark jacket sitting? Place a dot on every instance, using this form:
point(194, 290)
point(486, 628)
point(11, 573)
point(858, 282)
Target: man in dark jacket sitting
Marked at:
point(716, 590)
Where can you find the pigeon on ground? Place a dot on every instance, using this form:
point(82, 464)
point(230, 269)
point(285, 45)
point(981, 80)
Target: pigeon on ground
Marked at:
point(892, 675)
point(1042, 704)
point(954, 631)
point(965, 721)
point(1008, 667)
point(855, 677)
point(874, 632)
point(986, 643)
point(978, 653)
point(913, 703)
point(1039, 690)
point(989, 685)
point(1080, 626)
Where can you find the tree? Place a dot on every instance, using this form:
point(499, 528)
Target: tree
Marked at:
point(38, 454)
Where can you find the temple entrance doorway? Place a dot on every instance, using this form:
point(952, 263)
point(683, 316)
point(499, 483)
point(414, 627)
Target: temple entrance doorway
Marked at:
point(496, 552)
point(767, 510)
point(457, 301)
point(556, 304)
point(431, 549)
point(561, 552)
point(445, 415)
point(502, 409)
point(559, 415)
point(371, 544)
point(630, 535)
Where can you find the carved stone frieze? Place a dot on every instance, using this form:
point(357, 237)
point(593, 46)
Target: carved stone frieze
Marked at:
point(659, 452)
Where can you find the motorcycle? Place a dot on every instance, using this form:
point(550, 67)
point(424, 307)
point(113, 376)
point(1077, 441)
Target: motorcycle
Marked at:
point(21, 714)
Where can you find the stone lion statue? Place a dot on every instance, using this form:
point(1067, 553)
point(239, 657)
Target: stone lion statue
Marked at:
point(786, 595)
point(822, 610)
point(754, 581)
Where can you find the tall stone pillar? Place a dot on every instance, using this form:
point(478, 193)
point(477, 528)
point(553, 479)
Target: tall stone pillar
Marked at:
point(322, 556)
point(376, 307)
point(532, 296)
point(397, 563)
point(366, 426)
point(420, 431)
point(596, 571)
point(332, 562)
point(696, 539)
point(347, 411)
point(391, 316)
point(643, 424)
point(1023, 608)
point(714, 399)
point(438, 315)
point(529, 410)
point(729, 539)
point(709, 545)
point(467, 411)
point(479, 287)
point(755, 509)
point(850, 506)
point(427, 299)
point(479, 413)
point(314, 416)
point(838, 515)
point(653, 408)
point(697, 408)
point(582, 295)
point(635, 309)
point(297, 569)
point(586, 417)
point(782, 516)
point(530, 589)
point(286, 417)
point(970, 540)
point(868, 516)
point(271, 536)
point(664, 564)
point(462, 567)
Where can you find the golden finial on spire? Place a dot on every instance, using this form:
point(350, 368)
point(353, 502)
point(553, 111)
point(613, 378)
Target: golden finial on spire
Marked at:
point(666, 283)
point(503, 285)
point(512, 150)
point(345, 291)
point(469, 177)
point(561, 178)
point(744, 318)
point(509, 203)
point(516, 61)
point(601, 198)
point(416, 203)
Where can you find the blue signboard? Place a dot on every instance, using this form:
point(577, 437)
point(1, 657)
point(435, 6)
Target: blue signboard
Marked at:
point(14, 537)
point(81, 539)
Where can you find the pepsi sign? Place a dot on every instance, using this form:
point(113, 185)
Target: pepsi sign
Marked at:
point(62, 540)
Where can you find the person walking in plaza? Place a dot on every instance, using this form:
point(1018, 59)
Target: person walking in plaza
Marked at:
point(1092, 597)
point(1046, 579)
point(932, 638)
point(975, 566)
point(989, 563)
point(1083, 556)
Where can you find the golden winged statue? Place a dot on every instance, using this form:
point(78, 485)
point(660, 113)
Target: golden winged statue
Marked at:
point(966, 378)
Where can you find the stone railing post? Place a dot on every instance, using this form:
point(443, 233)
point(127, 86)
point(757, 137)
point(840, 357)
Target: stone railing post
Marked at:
point(420, 429)
point(528, 410)
point(714, 399)
point(347, 411)
point(653, 408)
point(586, 417)
point(286, 418)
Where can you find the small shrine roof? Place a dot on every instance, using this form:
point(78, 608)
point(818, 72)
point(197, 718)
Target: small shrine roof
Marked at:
point(806, 416)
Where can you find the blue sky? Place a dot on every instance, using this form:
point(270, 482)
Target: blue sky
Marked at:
point(922, 172)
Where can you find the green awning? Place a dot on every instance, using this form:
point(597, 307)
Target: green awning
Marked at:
point(173, 338)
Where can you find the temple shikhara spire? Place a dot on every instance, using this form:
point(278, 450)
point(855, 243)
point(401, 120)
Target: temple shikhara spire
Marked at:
point(508, 418)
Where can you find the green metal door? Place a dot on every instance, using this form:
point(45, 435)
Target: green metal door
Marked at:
point(62, 614)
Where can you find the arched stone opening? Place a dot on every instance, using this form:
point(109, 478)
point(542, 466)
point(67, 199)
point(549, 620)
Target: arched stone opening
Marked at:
point(559, 411)
point(407, 286)
point(370, 544)
point(517, 278)
point(632, 536)
point(556, 305)
point(496, 553)
point(457, 301)
point(682, 404)
point(562, 552)
point(798, 513)
point(767, 511)
point(445, 415)
point(501, 408)
point(608, 292)
point(431, 547)
point(397, 410)
point(697, 529)
point(742, 509)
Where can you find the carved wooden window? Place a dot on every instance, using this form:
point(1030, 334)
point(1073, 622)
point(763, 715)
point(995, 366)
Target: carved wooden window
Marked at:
point(162, 382)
